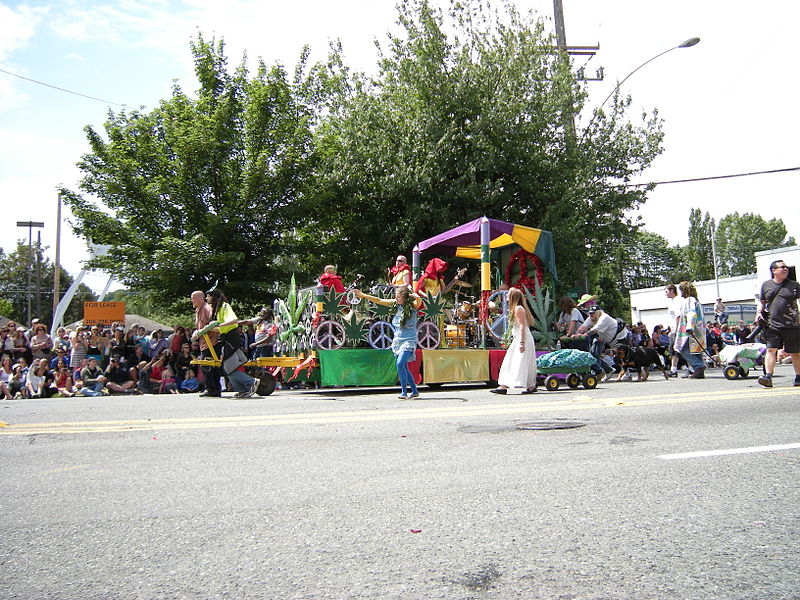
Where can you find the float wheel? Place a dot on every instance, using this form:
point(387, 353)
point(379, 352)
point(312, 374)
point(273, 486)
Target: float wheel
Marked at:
point(731, 372)
point(551, 383)
point(590, 381)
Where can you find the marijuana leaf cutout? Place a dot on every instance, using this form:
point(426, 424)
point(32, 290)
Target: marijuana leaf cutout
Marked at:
point(433, 306)
point(331, 303)
point(354, 327)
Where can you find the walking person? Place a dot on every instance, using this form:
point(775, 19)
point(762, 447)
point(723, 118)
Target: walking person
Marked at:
point(202, 317)
point(780, 313)
point(690, 331)
point(673, 311)
point(519, 364)
point(231, 339)
point(404, 343)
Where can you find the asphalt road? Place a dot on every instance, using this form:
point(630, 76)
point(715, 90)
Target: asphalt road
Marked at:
point(356, 494)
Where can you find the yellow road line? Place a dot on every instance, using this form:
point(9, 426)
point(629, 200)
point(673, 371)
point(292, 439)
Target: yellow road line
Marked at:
point(373, 415)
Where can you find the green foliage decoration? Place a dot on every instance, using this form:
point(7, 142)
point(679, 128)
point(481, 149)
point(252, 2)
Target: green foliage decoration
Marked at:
point(545, 313)
point(291, 314)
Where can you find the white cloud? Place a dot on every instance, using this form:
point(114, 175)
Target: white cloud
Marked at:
point(75, 56)
point(17, 27)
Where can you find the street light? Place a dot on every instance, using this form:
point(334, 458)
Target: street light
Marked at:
point(30, 225)
point(687, 44)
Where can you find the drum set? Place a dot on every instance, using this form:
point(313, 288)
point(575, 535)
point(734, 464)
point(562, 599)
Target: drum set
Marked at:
point(463, 331)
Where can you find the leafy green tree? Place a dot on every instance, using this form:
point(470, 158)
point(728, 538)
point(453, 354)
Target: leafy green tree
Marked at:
point(739, 237)
point(14, 286)
point(699, 254)
point(205, 189)
point(6, 308)
point(458, 126)
point(650, 261)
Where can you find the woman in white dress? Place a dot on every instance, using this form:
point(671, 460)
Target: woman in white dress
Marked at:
point(519, 364)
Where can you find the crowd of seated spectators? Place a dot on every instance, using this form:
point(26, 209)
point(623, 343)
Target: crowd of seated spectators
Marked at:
point(100, 361)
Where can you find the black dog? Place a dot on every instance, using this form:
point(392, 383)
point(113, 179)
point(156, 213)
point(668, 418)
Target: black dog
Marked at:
point(639, 358)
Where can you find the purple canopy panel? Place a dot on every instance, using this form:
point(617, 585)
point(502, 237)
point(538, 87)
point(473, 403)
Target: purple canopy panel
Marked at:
point(468, 234)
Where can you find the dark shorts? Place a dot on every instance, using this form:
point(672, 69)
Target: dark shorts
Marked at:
point(788, 339)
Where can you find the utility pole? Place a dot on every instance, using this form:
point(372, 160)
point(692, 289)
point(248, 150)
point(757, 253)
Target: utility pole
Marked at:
point(713, 233)
point(38, 274)
point(57, 270)
point(561, 34)
point(30, 225)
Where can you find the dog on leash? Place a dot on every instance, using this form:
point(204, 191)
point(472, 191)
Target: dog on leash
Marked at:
point(639, 358)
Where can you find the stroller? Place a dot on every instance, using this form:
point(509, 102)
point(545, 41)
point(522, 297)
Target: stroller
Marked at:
point(740, 359)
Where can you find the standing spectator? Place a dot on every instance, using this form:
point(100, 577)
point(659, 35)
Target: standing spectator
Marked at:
point(130, 344)
point(80, 347)
point(118, 343)
point(690, 337)
point(780, 311)
point(742, 332)
point(6, 342)
point(21, 348)
point(94, 344)
point(177, 339)
point(727, 336)
point(157, 343)
point(719, 312)
point(143, 341)
point(105, 347)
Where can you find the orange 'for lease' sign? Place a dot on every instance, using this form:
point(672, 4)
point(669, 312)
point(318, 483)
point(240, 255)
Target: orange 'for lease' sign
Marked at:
point(103, 313)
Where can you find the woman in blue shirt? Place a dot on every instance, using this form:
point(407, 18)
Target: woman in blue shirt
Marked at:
point(404, 344)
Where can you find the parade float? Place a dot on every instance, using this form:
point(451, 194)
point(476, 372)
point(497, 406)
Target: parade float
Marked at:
point(338, 340)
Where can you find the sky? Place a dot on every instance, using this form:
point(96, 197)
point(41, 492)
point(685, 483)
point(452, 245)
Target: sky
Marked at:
point(729, 103)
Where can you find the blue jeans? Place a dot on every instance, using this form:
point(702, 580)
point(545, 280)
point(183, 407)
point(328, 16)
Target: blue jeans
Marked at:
point(695, 360)
point(597, 348)
point(92, 389)
point(242, 382)
point(403, 372)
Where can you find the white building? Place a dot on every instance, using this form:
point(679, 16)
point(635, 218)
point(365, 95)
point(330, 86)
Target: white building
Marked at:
point(738, 293)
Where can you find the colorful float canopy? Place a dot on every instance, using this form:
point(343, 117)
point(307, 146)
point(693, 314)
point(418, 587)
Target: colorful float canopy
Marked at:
point(465, 241)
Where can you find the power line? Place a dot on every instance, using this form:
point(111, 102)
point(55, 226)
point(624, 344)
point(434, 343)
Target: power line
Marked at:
point(713, 177)
point(60, 89)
